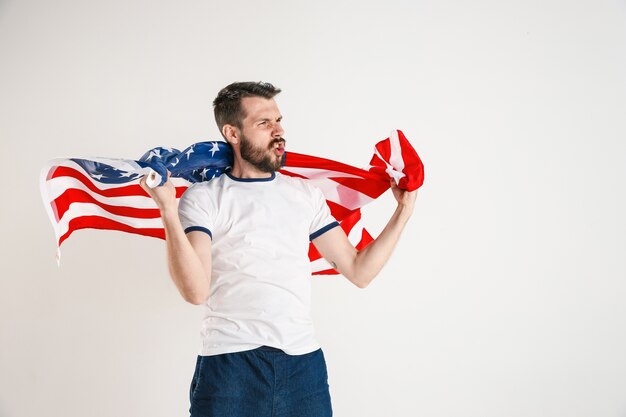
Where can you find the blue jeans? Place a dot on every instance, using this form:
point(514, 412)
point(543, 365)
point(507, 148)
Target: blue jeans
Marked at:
point(263, 382)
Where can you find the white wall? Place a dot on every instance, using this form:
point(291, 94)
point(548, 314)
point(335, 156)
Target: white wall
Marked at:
point(505, 296)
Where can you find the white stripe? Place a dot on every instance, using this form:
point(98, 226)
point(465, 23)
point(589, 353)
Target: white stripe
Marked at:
point(335, 192)
point(127, 165)
point(354, 235)
point(320, 173)
point(391, 169)
point(320, 264)
point(340, 194)
point(395, 159)
point(43, 190)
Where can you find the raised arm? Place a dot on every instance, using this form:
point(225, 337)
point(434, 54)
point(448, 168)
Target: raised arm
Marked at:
point(362, 267)
point(188, 255)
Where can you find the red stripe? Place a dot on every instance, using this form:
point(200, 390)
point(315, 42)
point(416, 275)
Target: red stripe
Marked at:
point(338, 211)
point(379, 167)
point(384, 149)
point(326, 272)
point(366, 239)
point(292, 174)
point(378, 163)
point(294, 159)
point(371, 187)
point(314, 254)
point(413, 166)
point(97, 222)
point(350, 221)
point(132, 190)
point(62, 203)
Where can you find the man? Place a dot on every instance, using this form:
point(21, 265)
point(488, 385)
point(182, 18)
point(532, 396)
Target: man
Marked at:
point(238, 244)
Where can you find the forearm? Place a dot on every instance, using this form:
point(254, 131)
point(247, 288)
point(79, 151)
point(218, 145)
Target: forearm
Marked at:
point(369, 261)
point(185, 266)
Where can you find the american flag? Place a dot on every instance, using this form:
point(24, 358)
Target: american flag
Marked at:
point(104, 193)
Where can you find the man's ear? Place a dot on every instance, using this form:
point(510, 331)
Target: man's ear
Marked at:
point(231, 134)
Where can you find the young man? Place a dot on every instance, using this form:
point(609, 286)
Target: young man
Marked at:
point(238, 244)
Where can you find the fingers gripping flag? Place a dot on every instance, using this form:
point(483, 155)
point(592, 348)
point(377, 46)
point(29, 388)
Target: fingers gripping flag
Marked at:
point(103, 193)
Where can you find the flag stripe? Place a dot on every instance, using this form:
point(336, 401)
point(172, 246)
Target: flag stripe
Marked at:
point(395, 157)
point(104, 223)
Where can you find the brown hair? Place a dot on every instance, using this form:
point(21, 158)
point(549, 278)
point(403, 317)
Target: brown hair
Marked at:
point(227, 104)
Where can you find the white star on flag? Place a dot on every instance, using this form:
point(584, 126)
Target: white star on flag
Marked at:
point(153, 153)
point(214, 149)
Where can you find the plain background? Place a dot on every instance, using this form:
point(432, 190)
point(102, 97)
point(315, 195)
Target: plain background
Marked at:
point(506, 294)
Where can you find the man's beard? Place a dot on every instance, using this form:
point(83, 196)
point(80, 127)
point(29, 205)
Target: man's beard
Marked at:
point(261, 158)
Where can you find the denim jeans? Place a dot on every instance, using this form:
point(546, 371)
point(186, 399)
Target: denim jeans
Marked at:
point(263, 382)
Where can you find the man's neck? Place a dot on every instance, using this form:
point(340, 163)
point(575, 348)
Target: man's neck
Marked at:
point(242, 169)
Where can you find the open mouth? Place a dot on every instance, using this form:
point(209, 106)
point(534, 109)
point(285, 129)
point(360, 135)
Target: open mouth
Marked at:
point(279, 147)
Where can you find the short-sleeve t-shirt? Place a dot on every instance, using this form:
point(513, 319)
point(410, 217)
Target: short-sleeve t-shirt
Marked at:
point(260, 280)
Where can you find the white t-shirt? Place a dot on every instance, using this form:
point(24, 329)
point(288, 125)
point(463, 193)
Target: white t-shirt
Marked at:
point(260, 290)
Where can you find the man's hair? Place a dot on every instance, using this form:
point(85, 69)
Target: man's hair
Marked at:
point(227, 104)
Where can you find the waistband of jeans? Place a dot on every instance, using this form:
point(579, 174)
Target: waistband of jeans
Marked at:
point(269, 349)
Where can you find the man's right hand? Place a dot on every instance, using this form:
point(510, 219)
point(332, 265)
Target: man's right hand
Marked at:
point(164, 195)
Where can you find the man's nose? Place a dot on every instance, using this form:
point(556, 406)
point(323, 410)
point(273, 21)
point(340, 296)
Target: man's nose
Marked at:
point(278, 131)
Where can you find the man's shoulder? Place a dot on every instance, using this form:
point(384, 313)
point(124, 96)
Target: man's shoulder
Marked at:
point(298, 184)
point(295, 182)
point(201, 188)
point(302, 185)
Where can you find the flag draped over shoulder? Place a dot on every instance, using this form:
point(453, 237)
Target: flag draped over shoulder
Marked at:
point(104, 193)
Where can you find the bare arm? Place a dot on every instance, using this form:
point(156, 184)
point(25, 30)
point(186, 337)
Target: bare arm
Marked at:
point(362, 267)
point(188, 255)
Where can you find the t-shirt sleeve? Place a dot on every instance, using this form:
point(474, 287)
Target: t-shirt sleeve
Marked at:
point(322, 221)
point(194, 211)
